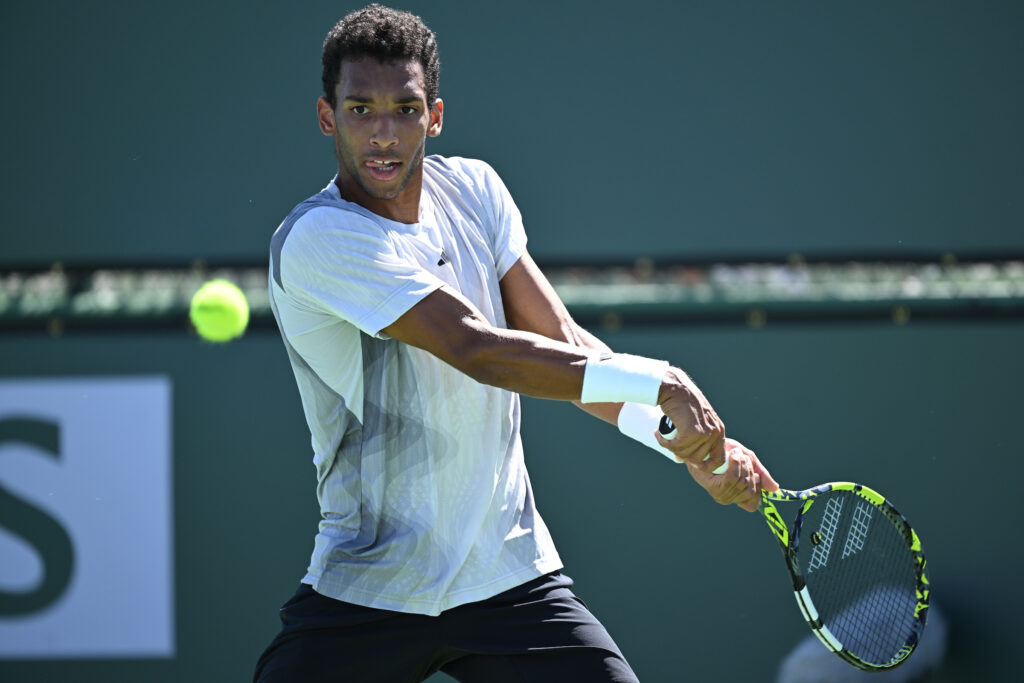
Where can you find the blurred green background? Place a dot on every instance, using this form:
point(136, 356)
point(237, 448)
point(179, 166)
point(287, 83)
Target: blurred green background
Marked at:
point(150, 131)
point(139, 133)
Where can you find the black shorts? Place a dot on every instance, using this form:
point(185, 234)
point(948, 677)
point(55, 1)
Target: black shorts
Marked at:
point(539, 632)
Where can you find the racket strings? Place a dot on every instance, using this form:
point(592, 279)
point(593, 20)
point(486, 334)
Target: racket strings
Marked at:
point(860, 574)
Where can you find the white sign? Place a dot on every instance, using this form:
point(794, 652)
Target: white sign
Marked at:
point(86, 557)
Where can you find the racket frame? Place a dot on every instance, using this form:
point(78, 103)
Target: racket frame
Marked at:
point(789, 541)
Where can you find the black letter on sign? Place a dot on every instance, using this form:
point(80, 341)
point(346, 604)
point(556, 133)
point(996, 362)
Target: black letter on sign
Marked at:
point(35, 526)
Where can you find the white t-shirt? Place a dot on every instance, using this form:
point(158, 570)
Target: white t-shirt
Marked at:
point(425, 499)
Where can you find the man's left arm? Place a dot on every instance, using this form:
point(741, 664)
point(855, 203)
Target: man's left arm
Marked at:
point(532, 305)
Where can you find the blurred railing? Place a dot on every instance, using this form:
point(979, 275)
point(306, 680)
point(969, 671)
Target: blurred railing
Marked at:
point(60, 298)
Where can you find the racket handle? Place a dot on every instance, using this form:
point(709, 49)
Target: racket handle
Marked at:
point(668, 432)
point(666, 428)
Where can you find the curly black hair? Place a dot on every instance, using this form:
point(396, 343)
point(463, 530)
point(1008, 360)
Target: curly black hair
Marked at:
point(385, 34)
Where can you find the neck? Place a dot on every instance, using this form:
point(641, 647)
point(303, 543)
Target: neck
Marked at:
point(404, 207)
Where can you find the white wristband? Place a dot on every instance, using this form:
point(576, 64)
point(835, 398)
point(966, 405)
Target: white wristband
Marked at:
point(621, 377)
point(639, 421)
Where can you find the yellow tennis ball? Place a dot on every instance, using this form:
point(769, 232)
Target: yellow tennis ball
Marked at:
point(219, 311)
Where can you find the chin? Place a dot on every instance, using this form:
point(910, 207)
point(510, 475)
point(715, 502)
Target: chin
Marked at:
point(373, 189)
point(381, 193)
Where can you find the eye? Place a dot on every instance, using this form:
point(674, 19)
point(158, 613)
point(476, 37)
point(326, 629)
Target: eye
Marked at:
point(360, 109)
point(409, 111)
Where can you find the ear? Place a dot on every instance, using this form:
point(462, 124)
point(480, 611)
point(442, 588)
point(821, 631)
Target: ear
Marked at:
point(325, 116)
point(436, 118)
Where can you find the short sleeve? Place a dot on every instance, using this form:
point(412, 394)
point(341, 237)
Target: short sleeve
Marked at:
point(509, 236)
point(343, 263)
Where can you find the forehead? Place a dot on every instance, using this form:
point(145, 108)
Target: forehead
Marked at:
point(372, 78)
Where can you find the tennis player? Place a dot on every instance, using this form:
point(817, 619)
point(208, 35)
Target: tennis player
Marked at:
point(414, 317)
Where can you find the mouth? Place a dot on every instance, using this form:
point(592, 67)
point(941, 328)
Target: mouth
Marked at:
point(383, 169)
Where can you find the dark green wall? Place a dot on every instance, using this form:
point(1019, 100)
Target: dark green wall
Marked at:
point(153, 131)
point(909, 410)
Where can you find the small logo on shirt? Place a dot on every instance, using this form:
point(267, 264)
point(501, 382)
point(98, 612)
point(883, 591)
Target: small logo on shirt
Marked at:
point(444, 258)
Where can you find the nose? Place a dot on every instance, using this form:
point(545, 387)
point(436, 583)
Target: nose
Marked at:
point(383, 135)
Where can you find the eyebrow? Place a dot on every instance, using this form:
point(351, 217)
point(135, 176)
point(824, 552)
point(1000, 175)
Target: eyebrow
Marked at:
point(361, 99)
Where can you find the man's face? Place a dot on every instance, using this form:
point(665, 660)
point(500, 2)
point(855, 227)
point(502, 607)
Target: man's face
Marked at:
point(380, 126)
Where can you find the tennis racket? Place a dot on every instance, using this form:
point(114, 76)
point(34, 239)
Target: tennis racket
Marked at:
point(857, 567)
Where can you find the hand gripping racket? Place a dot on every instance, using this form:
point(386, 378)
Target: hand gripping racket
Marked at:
point(857, 567)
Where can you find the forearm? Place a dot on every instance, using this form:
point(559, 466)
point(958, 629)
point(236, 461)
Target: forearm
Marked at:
point(566, 330)
point(609, 412)
point(520, 361)
point(531, 304)
point(451, 328)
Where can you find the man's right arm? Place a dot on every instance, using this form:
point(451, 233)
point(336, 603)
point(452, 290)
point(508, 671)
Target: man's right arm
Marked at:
point(448, 326)
point(451, 328)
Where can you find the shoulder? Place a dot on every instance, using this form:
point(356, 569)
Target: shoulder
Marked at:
point(325, 217)
point(457, 165)
point(460, 171)
point(323, 224)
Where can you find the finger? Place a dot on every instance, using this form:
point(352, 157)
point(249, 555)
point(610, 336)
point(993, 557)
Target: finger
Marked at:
point(768, 482)
point(745, 488)
point(715, 454)
point(729, 485)
point(670, 444)
point(715, 485)
point(686, 449)
point(765, 480)
point(753, 499)
point(745, 491)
